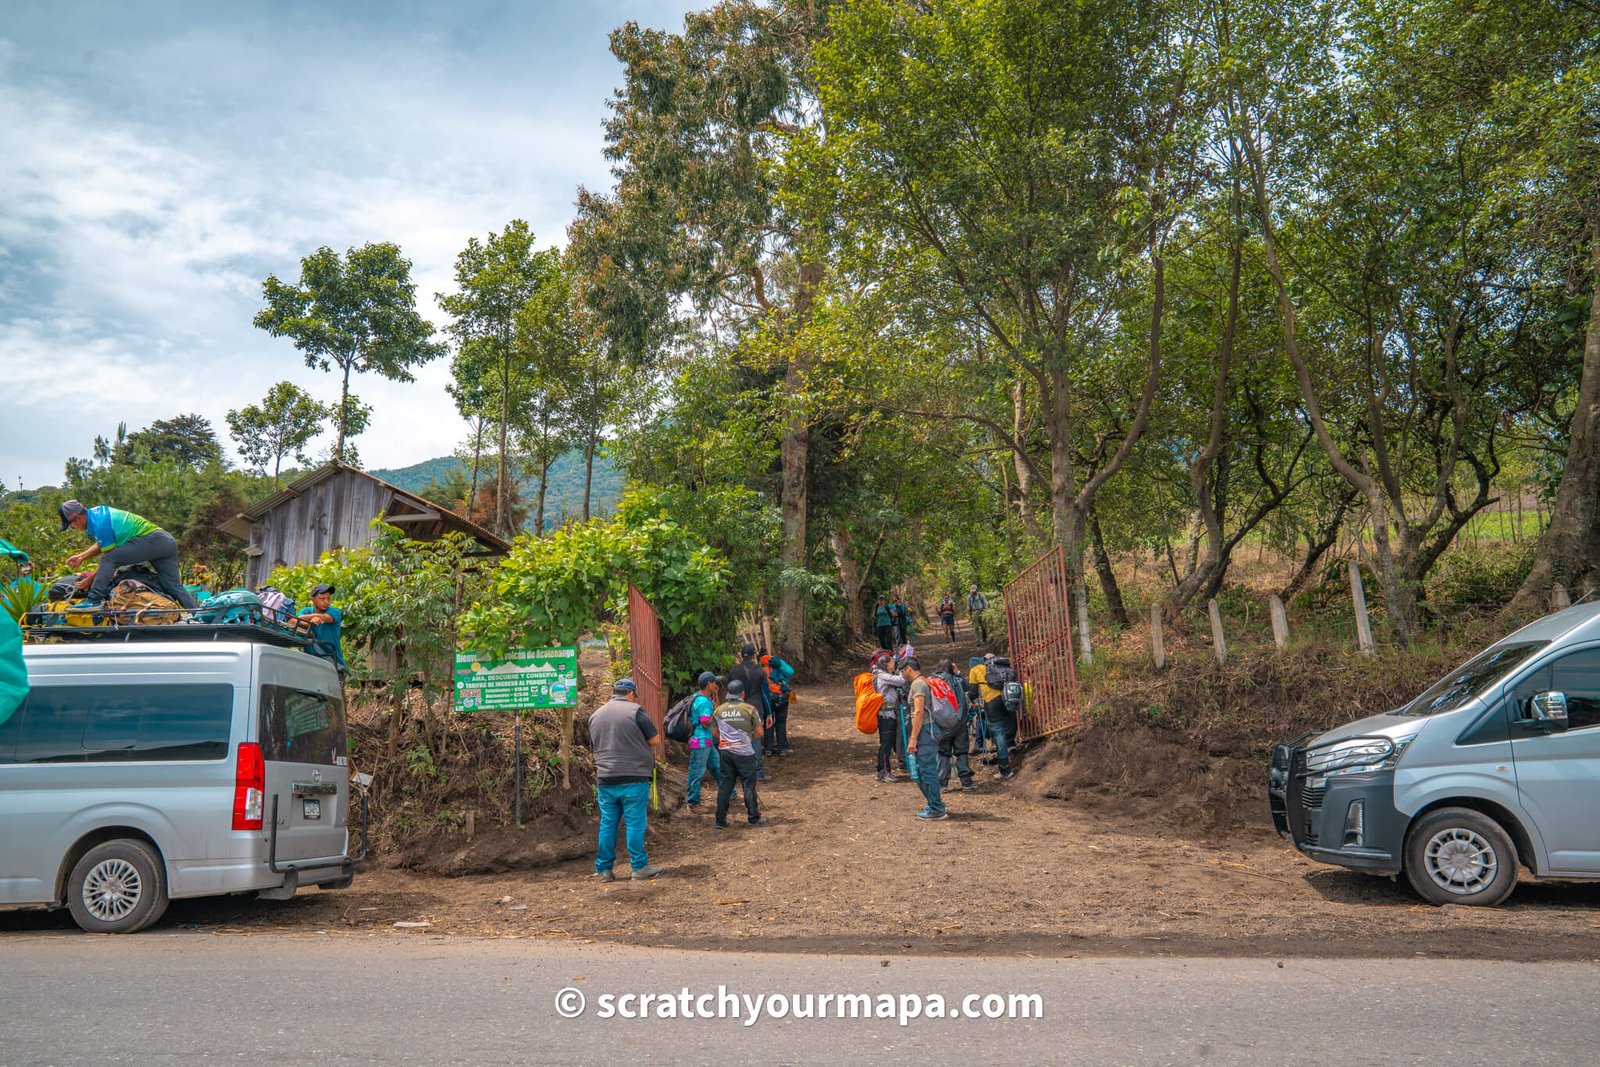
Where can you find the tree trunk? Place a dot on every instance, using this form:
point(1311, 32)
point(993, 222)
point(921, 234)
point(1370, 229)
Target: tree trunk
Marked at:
point(1024, 469)
point(590, 446)
point(1108, 578)
point(344, 414)
point(477, 462)
point(1568, 551)
point(795, 449)
point(502, 514)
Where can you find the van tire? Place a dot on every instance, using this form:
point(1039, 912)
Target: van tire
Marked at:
point(117, 887)
point(1460, 856)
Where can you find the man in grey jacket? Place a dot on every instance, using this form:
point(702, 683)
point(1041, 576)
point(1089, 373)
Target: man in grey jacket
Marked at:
point(627, 748)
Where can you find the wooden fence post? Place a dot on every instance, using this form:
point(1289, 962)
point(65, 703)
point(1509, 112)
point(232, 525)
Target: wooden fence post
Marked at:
point(1158, 648)
point(565, 746)
point(1359, 596)
point(1280, 621)
point(1559, 598)
point(1085, 649)
point(1219, 643)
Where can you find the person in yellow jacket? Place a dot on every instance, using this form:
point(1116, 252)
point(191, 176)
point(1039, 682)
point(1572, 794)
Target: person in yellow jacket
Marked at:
point(992, 722)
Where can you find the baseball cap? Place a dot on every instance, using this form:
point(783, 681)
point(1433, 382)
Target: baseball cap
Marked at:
point(70, 509)
point(624, 685)
point(748, 650)
point(736, 688)
point(705, 679)
point(318, 590)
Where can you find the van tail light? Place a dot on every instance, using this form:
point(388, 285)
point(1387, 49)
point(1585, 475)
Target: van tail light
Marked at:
point(249, 787)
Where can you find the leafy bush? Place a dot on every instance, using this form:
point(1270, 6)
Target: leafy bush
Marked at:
point(1481, 577)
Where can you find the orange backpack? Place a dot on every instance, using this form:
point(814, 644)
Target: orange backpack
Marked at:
point(868, 703)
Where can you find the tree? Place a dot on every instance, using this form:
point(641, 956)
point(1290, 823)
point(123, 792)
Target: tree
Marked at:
point(187, 440)
point(282, 424)
point(495, 278)
point(357, 313)
point(698, 134)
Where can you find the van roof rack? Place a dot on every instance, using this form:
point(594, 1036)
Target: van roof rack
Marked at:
point(113, 629)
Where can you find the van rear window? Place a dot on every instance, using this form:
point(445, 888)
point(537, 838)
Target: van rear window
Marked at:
point(119, 724)
point(301, 727)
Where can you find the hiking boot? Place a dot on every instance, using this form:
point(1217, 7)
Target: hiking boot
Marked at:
point(1005, 776)
point(884, 778)
point(605, 876)
point(787, 753)
point(761, 777)
point(645, 873)
point(932, 817)
point(722, 826)
point(760, 820)
point(695, 809)
point(968, 785)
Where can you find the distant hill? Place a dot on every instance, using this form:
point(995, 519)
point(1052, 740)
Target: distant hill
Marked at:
point(564, 499)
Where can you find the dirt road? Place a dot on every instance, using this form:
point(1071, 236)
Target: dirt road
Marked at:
point(846, 867)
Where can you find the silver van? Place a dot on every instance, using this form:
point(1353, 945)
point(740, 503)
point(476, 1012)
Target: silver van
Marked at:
point(173, 761)
point(1496, 766)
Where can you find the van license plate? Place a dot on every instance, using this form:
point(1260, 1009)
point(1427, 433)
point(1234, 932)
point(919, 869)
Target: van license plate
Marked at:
point(313, 808)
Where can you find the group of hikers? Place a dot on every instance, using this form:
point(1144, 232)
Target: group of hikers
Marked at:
point(929, 725)
point(895, 626)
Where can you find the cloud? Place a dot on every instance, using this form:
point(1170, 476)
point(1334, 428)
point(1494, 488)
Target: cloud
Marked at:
point(156, 164)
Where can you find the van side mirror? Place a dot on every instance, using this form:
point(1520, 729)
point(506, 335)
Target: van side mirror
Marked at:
point(1548, 710)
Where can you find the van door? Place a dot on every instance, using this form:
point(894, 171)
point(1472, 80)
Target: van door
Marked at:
point(301, 730)
point(1558, 773)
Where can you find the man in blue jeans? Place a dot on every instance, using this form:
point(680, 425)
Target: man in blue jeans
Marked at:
point(627, 748)
point(702, 745)
point(923, 744)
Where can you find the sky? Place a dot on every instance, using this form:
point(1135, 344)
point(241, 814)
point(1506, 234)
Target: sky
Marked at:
point(159, 160)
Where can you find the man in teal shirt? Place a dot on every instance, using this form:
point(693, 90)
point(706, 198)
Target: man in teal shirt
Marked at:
point(121, 540)
point(324, 621)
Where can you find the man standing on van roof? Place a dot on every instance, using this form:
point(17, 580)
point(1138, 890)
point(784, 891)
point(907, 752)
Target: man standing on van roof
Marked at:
point(626, 751)
point(121, 540)
point(326, 625)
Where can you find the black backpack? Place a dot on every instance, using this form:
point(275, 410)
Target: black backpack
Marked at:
point(999, 673)
point(679, 723)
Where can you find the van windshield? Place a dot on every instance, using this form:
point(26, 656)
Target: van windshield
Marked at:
point(1472, 680)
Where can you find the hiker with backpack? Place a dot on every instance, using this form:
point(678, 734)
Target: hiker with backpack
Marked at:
point(953, 742)
point(883, 618)
point(753, 684)
point(122, 539)
point(977, 604)
point(902, 621)
point(779, 675)
point(998, 673)
point(737, 727)
point(891, 687)
point(922, 746)
point(702, 739)
point(947, 616)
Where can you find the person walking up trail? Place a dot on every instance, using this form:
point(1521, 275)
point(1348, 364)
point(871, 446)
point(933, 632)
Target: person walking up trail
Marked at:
point(953, 744)
point(738, 731)
point(121, 540)
point(947, 617)
point(702, 742)
point(902, 622)
point(883, 619)
point(923, 747)
point(753, 684)
point(890, 686)
point(977, 604)
point(779, 676)
point(626, 751)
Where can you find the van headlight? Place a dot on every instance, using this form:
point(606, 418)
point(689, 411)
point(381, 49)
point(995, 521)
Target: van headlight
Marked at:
point(1356, 755)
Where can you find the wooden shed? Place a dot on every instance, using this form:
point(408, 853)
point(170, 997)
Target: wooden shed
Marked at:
point(333, 507)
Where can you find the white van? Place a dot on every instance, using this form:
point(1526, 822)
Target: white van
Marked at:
point(153, 763)
point(1495, 766)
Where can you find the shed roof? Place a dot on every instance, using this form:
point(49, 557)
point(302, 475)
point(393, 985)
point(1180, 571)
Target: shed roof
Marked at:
point(414, 514)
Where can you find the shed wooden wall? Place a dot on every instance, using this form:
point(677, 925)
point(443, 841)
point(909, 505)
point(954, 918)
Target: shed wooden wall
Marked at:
point(335, 513)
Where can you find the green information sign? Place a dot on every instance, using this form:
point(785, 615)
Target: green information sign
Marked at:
point(524, 678)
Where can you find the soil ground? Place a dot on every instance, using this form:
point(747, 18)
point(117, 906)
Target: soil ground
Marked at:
point(846, 867)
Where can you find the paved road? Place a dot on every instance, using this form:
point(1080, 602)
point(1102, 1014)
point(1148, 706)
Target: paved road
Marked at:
point(184, 997)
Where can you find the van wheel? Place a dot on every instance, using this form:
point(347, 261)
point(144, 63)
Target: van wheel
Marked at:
point(1460, 856)
point(118, 887)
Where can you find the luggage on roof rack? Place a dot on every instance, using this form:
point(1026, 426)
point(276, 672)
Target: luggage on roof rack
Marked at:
point(109, 626)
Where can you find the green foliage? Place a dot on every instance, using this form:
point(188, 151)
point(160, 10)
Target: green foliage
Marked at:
point(549, 590)
point(357, 313)
point(397, 595)
point(34, 526)
point(20, 595)
point(187, 440)
point(282, 424)
point(1480, 577)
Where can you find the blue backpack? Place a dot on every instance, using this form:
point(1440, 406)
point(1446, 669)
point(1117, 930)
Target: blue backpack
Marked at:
point(232, 606)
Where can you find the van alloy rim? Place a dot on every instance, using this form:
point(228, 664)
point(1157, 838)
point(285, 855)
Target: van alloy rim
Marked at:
point(1460, 861)
point(112, 890)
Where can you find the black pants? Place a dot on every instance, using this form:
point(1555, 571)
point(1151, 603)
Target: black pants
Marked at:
point(953, 748)
point(160, 551)
point(888, 741)
point(741, 769)
point(886, 637)
point(776, 740)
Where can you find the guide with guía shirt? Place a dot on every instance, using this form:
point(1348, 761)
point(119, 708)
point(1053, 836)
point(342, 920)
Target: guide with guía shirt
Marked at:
point(522, 678)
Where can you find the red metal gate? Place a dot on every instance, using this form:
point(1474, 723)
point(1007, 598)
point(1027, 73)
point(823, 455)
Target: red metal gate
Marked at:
point(644, 640)
point(1039, 628)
